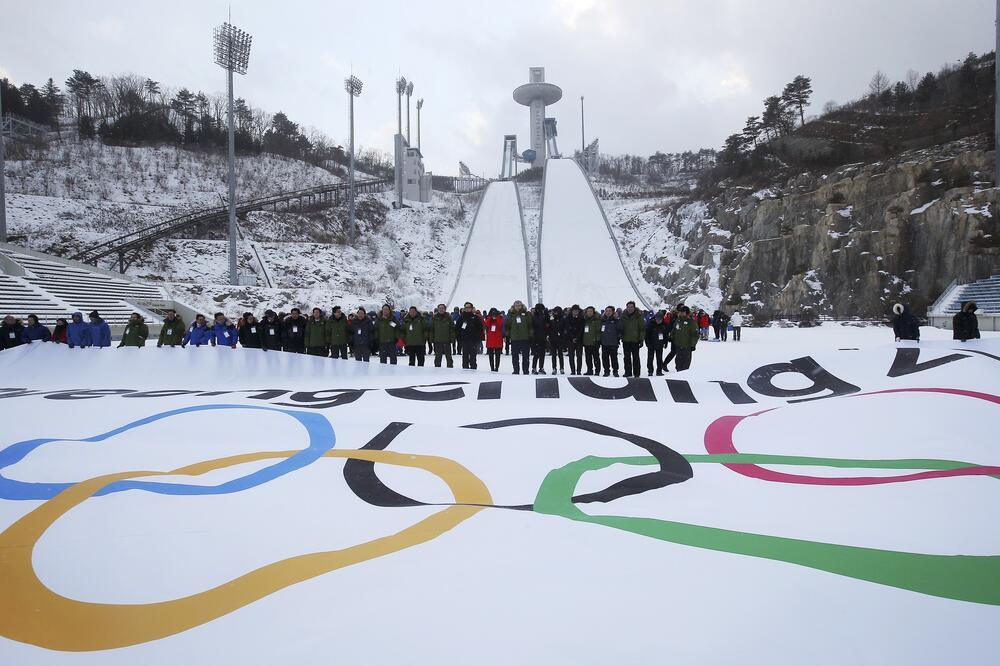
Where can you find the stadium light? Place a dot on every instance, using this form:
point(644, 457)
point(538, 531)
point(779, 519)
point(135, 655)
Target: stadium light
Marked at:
point(409, 92)
point(420, 105)
point(232, 53)
point(352, 85)
point(3, 191)
point(400, 89)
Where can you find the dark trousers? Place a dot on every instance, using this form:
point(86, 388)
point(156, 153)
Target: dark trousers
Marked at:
point(362, 353)
point(387, 352)
point(538, 355)
point(416, 354)
point(593, 355)
point(683, 359)
point(556, 349)
point(724, 332)
point(339, 351)
point(470, 348)
point(575, 353)
point(442, 349)
point(670, 356)
point(715, 329)
point(495, 355)
point(736, 333)
point(506, 346)
point(654, 352)
point(632, 365)
point(317, 351)
point(519, 355)
point(297, 347)
point(609, 358)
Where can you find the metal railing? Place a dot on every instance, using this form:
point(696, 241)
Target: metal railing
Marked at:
point(144, 235)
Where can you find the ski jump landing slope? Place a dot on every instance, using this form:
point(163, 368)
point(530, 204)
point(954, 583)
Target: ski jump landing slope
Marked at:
point(579, 260)
point(494, 269)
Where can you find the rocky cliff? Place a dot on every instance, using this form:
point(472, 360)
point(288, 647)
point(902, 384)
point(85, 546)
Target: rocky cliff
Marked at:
point(847, 243)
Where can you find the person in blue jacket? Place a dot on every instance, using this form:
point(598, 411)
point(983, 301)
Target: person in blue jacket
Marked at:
point(100, 332)
point(78, 332)
point(198, 333)
point(223, 332)
point(35, 332)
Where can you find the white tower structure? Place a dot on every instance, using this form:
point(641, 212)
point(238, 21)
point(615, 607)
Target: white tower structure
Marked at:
point(536, 95)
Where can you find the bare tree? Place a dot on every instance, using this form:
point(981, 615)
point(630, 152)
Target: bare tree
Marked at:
point(878, 85)
point(913, 80)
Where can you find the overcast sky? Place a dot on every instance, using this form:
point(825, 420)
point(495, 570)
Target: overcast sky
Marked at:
point(666, 75)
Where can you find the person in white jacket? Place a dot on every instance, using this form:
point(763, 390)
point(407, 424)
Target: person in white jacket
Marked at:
point(737, 323)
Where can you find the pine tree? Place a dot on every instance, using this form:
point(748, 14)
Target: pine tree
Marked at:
point(752, 130)
point(927, 88)
point(797, 94)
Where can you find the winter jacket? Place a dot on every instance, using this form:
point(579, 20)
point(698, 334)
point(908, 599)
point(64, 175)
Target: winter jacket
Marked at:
point(633, 327)
point(685, 333)
point(293, 332)
point(591, 331)
point(965, 325)
point(316, 333)
point(172, 332)
point(362, 331)
point(100, 333)
point(337, 331)
point(249, 335)
point(611, 331)
point(469, 327)
point(270, 335)
point(78, 332)
point(656, 331)
point(225, 335)
point(518, 326)
point(59, 334)
point(415, 331)
point(736, 320)
point(387, 329)
point(11, 336)
point(703, 320)
point(906, 326)
point(493, 327)
point(135, 334)
point(442, 328)
point(198, 335)
point(540, 325)
point(573, 330)
point(557, 329)
point(35, 333)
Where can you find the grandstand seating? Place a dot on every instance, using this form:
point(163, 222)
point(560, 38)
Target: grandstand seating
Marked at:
point(986, 294)
point(54, 288)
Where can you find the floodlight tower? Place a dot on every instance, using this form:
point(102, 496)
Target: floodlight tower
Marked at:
point(420, 105)
point(409, 92)
point(232, 53)
point(3, 191)
point(536, 95)
point(352, 85)
point(400, 89)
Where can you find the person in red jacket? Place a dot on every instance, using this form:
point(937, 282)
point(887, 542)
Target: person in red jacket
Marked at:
point(704, 321)
point(493, 325)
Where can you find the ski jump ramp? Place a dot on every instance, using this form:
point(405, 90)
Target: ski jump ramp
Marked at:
point(494, 268)
point(578, 257)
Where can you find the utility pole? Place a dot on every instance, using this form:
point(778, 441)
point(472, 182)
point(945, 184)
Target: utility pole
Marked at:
point(3, 190)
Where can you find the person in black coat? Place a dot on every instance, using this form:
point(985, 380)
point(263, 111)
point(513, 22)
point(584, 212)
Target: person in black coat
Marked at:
point(362, 334)
point(965, 324)
point(469, 332)
point(539, 338)
point(270, 332)
point(572, 336)
point(656, 337)
point(557, 339)
point(293, 334)
point(904, 324)
point(250, 332)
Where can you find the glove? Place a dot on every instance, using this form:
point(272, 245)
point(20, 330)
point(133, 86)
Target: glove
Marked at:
point(159, 344)
point(71, 346)
point(183, 346)
point(27, 342)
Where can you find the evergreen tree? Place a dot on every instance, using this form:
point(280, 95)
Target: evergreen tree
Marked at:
point(927, 88)
point(752, 130)
point(797, 95)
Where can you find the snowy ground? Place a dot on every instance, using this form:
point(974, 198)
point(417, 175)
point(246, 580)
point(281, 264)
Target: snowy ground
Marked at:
point(657, 520)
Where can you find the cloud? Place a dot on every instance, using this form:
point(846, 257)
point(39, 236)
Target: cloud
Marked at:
point(474, 124)
point(108, 27)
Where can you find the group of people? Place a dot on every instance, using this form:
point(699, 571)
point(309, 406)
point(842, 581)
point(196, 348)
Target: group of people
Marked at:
point(590, 340)
point(964, 325)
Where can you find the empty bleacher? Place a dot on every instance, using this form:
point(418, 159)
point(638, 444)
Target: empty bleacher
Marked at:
point(53, 287)
point(986, 294)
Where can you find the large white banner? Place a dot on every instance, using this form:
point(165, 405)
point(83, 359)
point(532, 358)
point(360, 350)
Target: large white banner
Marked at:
point(168, 506)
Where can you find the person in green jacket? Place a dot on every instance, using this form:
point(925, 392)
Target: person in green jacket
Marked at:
point(172, 332)
point(135, 333)
point(388, 333)
point(633, 333)
point(592, 340)
point(685, 338)
point(316, 339)
point(336, 333)
point(442, 334)
point(519, 326)
point(415, 333)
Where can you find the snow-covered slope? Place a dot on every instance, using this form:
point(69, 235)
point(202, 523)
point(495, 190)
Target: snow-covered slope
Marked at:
point(494, 266)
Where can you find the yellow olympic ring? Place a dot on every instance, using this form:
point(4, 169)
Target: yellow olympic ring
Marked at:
point(32, 613)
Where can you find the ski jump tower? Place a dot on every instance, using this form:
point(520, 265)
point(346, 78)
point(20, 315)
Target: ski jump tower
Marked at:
point(536, 95)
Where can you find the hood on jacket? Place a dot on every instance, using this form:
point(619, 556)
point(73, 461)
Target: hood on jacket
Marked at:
point(77, 315)
point(970, 306)
point(899, 308)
